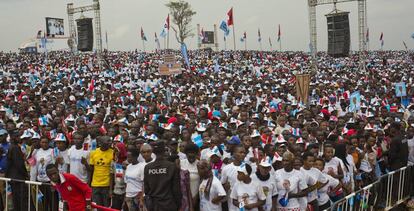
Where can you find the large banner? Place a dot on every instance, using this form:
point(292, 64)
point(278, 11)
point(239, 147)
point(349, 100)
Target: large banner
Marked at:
point(208, 37)
point(302, 87)
point(170, 65)
point(54, 27)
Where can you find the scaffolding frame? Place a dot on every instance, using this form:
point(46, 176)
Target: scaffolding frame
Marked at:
point(362, 26)
point(95, 7)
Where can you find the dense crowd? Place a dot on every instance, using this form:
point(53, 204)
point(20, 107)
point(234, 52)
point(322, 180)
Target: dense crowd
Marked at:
point(231, 124)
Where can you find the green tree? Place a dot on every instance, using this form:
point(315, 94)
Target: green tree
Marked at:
point(182, 14)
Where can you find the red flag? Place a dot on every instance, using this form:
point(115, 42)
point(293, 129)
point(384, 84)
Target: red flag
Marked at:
point(168, 22)
point(92, 85)
point(230, 20)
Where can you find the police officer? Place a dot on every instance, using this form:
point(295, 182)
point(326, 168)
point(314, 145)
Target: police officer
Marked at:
point(161, 182)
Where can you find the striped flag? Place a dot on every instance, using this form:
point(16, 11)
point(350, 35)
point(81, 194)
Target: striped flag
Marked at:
point(201, 35)
point(43, 121)
point(244, 37)
point(166, 27)
point(157, 41)
point(143, 37)
point(198, 140)
point(230, 19)
point(382, 39)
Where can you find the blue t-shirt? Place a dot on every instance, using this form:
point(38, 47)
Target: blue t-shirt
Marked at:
point(3, 157)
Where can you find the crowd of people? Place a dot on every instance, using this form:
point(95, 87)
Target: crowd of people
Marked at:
point(228, 133)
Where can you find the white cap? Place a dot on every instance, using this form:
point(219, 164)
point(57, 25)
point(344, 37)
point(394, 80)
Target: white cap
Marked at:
point(266, 162)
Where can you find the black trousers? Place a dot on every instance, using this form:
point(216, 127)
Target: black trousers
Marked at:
point(117, 201)
point(325, 206)
point(20, 196)
point(50, 200)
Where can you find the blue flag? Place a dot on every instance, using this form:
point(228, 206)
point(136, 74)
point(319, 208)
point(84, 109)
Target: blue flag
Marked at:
point(225, 28)
point(185, 54)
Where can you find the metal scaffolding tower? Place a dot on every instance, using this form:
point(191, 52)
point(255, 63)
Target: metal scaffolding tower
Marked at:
point(362, 26)
point(98, 34)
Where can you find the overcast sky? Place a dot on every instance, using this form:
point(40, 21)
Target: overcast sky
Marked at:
point(122, 19)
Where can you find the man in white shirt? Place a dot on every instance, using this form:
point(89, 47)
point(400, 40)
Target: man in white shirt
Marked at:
point(133, 187)
point(78, 158)
point(211, 190)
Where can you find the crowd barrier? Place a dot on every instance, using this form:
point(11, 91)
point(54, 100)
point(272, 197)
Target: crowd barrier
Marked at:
point(35, 196)
point(385, 193)
point(389, 191)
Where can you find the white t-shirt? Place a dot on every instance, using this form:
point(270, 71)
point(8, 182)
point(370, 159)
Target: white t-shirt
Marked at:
point(204, 154)
point(410, 151)
point(247, 193)
point(216, 190)
point(63, 168)
point(140, 171)
point(333, 165)
point(323, 196)
point(269, 189)
point(75, 160)
point(132, 180)
point(194, 177)
point(43, 158)
point(287, 182)
point(310, 181)
point(229, 174)
point(318, 176)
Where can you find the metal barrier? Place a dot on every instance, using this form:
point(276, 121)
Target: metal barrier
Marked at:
point(34, 195)
point(388, 191)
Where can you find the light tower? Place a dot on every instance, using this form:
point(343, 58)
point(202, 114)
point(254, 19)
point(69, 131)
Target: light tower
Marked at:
point(362, 25)
point(98, 34)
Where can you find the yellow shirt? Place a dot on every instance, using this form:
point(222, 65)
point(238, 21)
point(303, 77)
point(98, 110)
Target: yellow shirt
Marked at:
point(102, 162)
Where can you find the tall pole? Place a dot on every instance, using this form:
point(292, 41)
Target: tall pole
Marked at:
point(165, 46)
point(168, 35)
point(280, 44)
point(143, 44)
point(215, 37)
point(106, 40)
point(198, 37)
point(225, 43)
point(245, 44)
point(260, 45)
point(234, 32)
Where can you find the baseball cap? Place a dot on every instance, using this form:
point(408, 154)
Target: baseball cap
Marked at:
point(234, 140)
point(266, 162)
point(3, 132)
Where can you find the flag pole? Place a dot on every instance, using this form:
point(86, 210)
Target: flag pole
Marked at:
point(245, 43)
point(165, 46)
point(260, 45)
point(280, 44)
point(168, 35)
point(143, 44)
point(106, 40)
point(225, 43)
point(234, 34)
point(270, 43)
